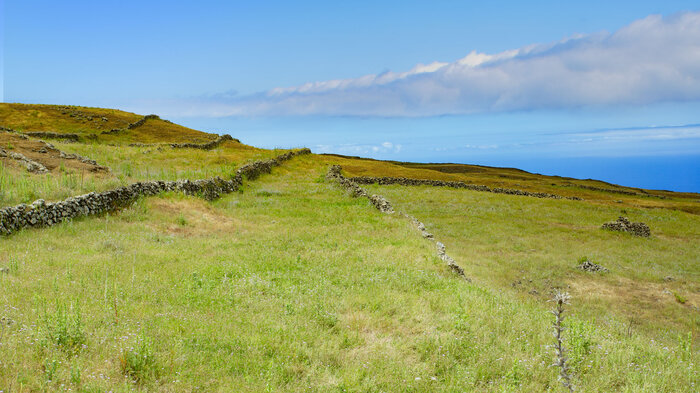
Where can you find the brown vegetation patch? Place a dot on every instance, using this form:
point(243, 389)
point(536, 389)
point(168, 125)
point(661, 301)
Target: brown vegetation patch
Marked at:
point(37, 151)
point(191, 217)
point(637, 299)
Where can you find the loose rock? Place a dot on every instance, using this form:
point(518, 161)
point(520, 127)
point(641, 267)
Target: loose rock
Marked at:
point(624, 225)
point(589, 266)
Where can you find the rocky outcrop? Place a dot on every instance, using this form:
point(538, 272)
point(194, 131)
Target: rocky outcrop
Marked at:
point(404, 181)
point(205, 146)
point(383, 205)
point(53, 135)
point(31, 165)
point(624, 225)
point(41, 214)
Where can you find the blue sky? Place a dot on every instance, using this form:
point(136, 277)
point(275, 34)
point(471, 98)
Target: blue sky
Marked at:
point(546, 86)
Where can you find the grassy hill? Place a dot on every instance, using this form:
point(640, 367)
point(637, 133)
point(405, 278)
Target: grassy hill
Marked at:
point(291, 284)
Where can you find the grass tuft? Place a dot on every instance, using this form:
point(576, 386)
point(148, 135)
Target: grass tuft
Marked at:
point(139, 362)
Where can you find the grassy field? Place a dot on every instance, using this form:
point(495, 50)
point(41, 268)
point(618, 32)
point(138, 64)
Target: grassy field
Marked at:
point(127, 165)
point(292, 285)
point(530, 246)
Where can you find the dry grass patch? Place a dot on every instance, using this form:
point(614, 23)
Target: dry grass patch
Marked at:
point(635, 296)
point(190, 216)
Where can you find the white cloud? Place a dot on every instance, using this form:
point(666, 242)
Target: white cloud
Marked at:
point(688, 132)
point(652, 60)
point(355, 149)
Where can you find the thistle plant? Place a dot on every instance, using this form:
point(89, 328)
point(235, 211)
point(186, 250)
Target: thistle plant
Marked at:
point(560, 299)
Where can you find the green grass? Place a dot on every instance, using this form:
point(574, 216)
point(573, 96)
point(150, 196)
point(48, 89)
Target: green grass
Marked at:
point(529, 246)
point(291, 285)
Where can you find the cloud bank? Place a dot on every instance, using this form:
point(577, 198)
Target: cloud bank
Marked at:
point(652, 60)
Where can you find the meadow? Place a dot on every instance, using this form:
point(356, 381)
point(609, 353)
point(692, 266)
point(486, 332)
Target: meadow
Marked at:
point(292, 285)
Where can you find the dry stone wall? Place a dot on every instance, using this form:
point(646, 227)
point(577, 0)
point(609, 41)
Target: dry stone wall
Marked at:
point(383, 205)
point(137, 123)
point(255, 169)
point(44, 134)
point(641, 192)
point(53, 135)
point(205, 146)
point(42, 214)
point(31, 165)
point(404, 181)
point(356, 191)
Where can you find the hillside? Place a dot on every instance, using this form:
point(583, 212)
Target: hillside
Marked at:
point(268, 275)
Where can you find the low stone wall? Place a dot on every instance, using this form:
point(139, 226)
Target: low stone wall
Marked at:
point(31, 165)
point(205, 146)
point(53, 135)
point(641, 193)
point(255, 169)
point(72, 156)
point(404, 181)
point(41, 214)
point(14, 132)
point(624, 225)
point(383, 205)
point(137, 123)
point(356, 191)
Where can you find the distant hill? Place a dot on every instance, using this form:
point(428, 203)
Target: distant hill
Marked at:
point(108, 125)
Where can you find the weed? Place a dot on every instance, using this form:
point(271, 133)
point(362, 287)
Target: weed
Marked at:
point(181, 220)
point(75, 374)
point(139, 362)
point(9, 146)
point(580, 341)
point(561, 299)
point(515, 375)
point(50, 368)
point(680, 298)
point(685, 345)
point(64, 329)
